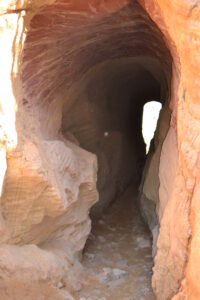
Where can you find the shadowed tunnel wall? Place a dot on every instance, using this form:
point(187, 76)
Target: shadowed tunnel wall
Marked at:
point(103, 111)
point(68, 67)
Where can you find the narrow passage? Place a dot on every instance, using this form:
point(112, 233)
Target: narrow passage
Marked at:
point(117, 257)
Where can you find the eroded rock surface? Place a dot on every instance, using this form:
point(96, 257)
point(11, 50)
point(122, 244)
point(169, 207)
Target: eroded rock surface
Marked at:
point(48, 181)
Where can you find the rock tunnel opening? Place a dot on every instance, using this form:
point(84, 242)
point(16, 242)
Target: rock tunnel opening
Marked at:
point(151, 111)
point(88, 100)
point(105, 117)
point(72, 82)
point(103, 113)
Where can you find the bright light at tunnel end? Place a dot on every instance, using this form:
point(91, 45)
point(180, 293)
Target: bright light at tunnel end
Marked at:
point(151, 113)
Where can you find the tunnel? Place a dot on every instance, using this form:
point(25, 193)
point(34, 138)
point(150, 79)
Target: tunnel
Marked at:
point(106, 119)
point(87, 210)
point(89, 84)
point(95, 86)
point(87, 71)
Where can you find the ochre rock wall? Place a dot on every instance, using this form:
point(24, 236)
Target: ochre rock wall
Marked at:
point(39, 164)
point(179, 21)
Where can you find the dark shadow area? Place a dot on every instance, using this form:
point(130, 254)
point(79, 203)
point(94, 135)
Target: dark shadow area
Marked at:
point(104, 113)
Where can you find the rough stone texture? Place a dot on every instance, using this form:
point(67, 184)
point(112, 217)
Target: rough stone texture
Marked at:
point(48, 183)
point(49, 186)
point(28, 272)
point(178, 20)
point(45, 183)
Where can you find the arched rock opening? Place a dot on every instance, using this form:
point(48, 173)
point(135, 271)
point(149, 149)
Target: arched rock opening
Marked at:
point(97, 87)
point(81, 79)
point(91, 91)
point(150, 116)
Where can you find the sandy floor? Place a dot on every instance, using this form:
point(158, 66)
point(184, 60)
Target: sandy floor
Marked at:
point(117, 257)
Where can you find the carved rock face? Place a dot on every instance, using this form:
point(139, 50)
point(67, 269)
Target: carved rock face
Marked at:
point(75, 76)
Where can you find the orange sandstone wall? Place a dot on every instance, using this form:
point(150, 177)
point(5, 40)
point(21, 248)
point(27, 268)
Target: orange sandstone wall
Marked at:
point(179, 21)
point(177, 258)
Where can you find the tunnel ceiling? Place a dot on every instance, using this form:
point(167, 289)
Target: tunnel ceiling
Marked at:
point(64, 41)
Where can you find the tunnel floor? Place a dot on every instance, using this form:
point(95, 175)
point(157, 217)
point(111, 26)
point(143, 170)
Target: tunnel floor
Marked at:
point(117, 257)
